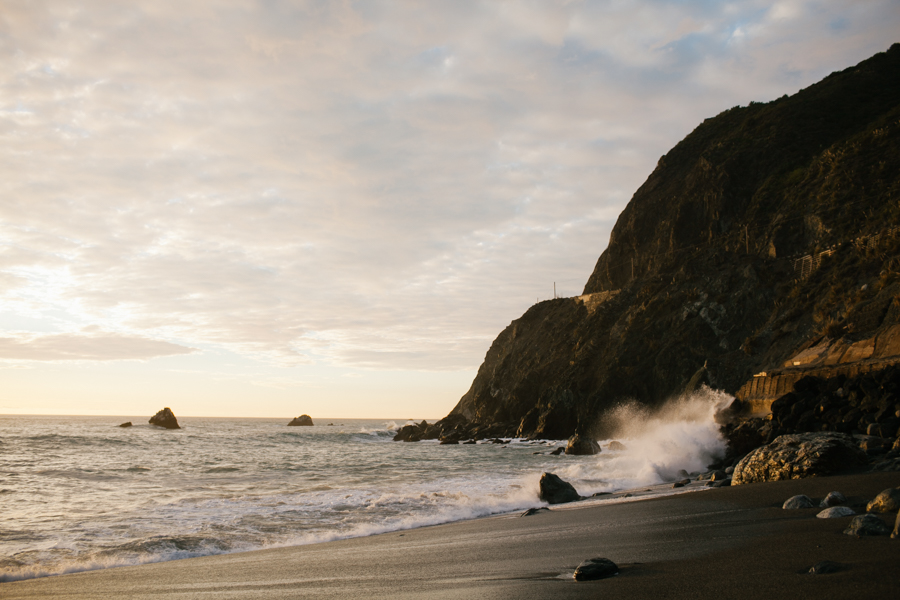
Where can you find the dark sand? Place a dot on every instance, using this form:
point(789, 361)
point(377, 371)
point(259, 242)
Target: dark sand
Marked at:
point(722, 543)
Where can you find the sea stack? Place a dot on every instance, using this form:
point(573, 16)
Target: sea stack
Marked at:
point(301, 421)
point(165, 418)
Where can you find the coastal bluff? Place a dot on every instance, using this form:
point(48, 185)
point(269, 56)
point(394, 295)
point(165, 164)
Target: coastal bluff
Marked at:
point(763, 245)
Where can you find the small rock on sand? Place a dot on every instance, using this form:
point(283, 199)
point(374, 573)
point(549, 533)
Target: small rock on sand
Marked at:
point(596, 568)
point(886, 501)
point(799, 501)
point(836, 512)
point(833, 499)
point(824, 567)
point(867, 525)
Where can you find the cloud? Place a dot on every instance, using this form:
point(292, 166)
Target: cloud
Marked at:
point(91, 346)
point(383, 185)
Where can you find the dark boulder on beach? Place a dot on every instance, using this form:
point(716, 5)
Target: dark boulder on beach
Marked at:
point(579, 445)
point(126, 424)
point(556, 491)
point(833, 499)
point(301, 421)
point(797, 502)
point(165, 418)
point(799, 455)
point(825, 567)
point(595, 568)
point(867, 525)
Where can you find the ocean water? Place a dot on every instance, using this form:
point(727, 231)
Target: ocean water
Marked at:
point(80, 493)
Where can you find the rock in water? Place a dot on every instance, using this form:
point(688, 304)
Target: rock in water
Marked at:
point(580, 445)
point(556, 491)
point(615, 446)
point(800, 455)
point(126, 424)
point(833, 499)
point(795, 502)
point(836, 512)
point(596, 568)
point(867, 525)
point(887, 501)
point(301, 421)
point(165, 418)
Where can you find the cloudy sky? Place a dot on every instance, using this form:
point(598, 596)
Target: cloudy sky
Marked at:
point(267, 207)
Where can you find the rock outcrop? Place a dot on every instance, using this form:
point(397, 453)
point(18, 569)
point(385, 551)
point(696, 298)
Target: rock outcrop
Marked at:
point(126, 424)
point(702, 282)
point(301, 421)
point(556, 491)
point(595, 568)
point(580, 445)
point(165, 418)
point(799, 455)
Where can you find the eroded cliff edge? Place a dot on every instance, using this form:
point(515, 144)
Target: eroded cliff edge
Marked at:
point(704, 279)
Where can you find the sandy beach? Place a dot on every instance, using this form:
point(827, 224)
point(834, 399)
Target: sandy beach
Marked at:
point(721, 543)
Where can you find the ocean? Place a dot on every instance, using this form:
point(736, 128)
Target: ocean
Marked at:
point(80, 493)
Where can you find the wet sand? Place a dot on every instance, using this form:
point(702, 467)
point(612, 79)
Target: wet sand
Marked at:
point(721, 543)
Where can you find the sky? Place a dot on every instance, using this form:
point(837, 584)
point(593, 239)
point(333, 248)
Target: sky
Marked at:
point(264, 208)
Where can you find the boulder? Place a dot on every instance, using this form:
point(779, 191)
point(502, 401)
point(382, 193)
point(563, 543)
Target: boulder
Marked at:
point(833, 499)
point(165, 418)
point(580, 445)
point(558, 451)
point(595, 568)
point(126, 424)
point(615, 446)
point(718, 476)
point(301, 421)
point(795, 502)
point(896, 533)
point(836, 512)
point(795, 456)
point(556, 491)
point(887, 501)
point(867, 525)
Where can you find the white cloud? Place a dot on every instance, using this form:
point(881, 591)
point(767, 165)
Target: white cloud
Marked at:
point(383, 185)
point(91, 345)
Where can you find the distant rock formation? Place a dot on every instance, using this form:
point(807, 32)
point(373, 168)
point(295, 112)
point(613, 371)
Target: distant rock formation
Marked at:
point(126, 424)
point(301, 421)
point(165, 418)
point(580, 445)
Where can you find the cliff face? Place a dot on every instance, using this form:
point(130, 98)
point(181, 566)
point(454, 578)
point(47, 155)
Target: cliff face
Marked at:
point(698, 283)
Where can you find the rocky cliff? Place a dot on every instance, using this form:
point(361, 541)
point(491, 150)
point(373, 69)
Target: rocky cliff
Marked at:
point(704, 280)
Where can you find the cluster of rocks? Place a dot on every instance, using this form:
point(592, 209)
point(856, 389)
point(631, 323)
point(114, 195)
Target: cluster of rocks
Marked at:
point(862, 412)
point(866, 524)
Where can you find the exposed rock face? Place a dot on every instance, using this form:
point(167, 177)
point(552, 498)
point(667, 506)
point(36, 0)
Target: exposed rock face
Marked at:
point(580, 445)
point(556, 491)
point(887, 501)
point(695, 285)
point(595, 568)
point(799, 455)
point(165, 418)
point(301, 421)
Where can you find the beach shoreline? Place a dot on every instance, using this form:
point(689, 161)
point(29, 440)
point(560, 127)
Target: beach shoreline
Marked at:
point(725, 542)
